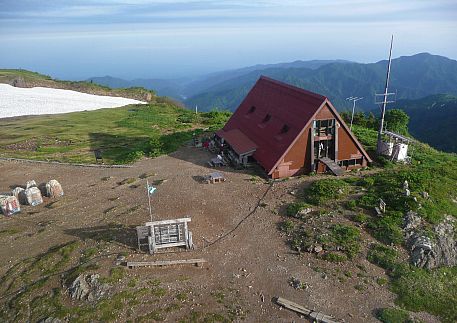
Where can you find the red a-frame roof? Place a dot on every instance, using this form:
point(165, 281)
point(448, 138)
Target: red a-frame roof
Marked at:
point(287, 106)
point(273, 115)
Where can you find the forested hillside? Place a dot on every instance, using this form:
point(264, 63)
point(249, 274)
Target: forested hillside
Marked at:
point(413, 77)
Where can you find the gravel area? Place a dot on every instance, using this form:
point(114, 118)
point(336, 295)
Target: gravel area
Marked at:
point(234, 225)
point(39, 100)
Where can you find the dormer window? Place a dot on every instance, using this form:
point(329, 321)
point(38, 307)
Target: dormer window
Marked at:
point(251, 109)
point(284, 129)
point(267, 118)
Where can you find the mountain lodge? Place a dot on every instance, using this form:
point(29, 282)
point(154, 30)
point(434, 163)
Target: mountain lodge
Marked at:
point(289, 131)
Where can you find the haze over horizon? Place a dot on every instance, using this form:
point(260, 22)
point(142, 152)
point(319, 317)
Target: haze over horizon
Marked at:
point(169, 39)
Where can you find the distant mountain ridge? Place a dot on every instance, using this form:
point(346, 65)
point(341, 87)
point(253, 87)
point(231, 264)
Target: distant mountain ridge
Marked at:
point(185, 87)
point(413, 77)
point(433, 120)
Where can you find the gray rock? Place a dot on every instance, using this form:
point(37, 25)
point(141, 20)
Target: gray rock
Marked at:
point(297, 284)
point(79, 289)
point(88, 287)
point(411, 223)
point(422, 253)
point(405, 185)
point(304, 211)
point(439, 252)
point(18, 82)
point(446, 241)
point(50, 320)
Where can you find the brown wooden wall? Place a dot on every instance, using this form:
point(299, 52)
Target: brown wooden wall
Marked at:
point(347, 149)
point(298, 158)
point(324, 113)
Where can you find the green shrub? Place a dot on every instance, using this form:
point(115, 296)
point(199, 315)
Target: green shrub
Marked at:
point(383, 256)
point(351, 205)
point(346, 236)
point(335, 257)
point(324, 190)
point(360, 218)
point(131, 157)
point(155, 147)
point(381, 281)
point(433, 291)
point(216, 119)
point(293, 208)
point(393, 315)
point(287, 226)
point(115, 274)
point(387, 229)
point(368, 181)
point(302, 239)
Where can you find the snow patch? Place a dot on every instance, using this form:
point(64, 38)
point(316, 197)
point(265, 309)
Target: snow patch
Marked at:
point(40, 100)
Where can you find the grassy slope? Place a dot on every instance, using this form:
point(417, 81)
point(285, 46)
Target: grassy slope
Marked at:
point(32, 79)
point(433, 291)
point(123, 134)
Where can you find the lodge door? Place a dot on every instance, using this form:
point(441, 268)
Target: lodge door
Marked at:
point(324, 148)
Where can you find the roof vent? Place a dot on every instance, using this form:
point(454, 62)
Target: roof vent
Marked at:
point(251, 109)
point(267, 118)
point(284, 128)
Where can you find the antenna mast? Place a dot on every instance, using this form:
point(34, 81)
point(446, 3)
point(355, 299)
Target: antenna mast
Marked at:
point(385, 99)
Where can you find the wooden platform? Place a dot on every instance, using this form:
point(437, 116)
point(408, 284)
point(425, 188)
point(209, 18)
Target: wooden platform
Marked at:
point(158, 263)
point(334, 168)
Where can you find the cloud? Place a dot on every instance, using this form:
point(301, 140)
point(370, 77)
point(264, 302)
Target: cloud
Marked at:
point(139, 11)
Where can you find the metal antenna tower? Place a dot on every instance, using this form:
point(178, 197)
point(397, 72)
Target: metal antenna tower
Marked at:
point(385, 100)
point(354, 99)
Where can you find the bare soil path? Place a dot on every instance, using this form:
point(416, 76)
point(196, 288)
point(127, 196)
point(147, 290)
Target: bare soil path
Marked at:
point(251, 263)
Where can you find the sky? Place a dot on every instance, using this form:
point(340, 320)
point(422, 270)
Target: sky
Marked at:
point(78, 39)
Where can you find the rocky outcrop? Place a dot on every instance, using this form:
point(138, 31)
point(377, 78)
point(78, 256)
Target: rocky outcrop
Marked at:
point(446, 241)
point(427, 252)
point(18, 82)
point(422, 251)
point(88, 287)
point(412, 223)
point(50, 320)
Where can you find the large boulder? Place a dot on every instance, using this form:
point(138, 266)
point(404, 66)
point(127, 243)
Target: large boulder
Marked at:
point(426, 252)
point(422, 251)
point(50, 320)
point(411, 222)
point(88, 287)
point(446, 241)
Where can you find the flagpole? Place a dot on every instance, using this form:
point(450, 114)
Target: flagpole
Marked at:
point(149, 199)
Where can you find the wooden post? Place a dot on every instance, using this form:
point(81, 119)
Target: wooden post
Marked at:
point(335, 139)
point(311, 142)
point(149, 199)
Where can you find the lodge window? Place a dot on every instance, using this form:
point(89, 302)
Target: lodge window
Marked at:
point(251, 109)
point(351, 162)
point(324, 128)
point(267, 118)
point(284, 128)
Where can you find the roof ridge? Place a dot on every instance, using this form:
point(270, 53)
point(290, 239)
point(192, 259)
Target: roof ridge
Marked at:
point(292, 87)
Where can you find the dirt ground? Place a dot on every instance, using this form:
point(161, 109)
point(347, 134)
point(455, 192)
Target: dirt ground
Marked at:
point(251, 265)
